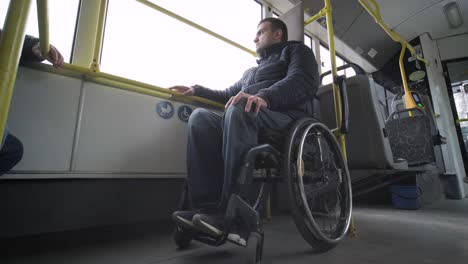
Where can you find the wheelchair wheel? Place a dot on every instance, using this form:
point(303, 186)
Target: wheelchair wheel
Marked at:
point(319, 184)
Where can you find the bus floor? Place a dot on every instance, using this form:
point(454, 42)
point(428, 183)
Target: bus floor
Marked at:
point(434, 234)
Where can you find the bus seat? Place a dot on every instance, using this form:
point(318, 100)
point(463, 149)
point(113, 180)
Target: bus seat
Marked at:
point(410, 137)
point(367, 146)
point(398, 105)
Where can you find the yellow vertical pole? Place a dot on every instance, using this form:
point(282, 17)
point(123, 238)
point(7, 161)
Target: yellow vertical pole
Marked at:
point(336, 91)
point(11, 43)
point(402, 68)
point(83, 50)
point(99, 35)
point(407, 98)
point(43, 22)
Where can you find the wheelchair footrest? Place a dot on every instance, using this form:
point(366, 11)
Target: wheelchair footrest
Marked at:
point(242, 214)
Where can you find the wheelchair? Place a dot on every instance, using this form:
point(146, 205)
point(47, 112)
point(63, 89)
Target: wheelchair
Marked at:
point(318, 182)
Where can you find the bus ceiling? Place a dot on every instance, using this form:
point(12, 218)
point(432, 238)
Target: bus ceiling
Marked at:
point(356, 27)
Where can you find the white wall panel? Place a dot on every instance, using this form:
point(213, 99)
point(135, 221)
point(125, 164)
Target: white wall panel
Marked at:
point(453, 47)
point(42, 115)
point(122, 132)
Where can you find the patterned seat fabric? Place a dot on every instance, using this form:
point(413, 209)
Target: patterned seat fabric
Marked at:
point(411, 139)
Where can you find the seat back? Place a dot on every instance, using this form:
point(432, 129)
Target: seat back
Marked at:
point(398, 105)
point(367, 146)
point(410, 137)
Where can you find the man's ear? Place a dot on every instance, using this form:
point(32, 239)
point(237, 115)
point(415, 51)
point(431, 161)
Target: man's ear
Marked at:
point(278, 34)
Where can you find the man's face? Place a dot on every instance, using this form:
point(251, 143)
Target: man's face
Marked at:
point(266, 37)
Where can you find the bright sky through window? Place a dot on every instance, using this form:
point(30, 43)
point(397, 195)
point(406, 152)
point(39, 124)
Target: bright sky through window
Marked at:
point(154, 48)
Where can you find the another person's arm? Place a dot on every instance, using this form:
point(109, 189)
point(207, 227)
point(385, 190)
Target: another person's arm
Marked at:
point(221, 96)
point(32, 52)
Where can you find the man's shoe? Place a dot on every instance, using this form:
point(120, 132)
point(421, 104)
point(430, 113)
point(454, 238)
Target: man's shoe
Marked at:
point(213, 225)
point(236, 239)
point(184, 219)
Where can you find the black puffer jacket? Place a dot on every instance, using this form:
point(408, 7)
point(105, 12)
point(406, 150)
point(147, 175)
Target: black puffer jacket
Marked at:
point(26, 54)
point(286, 77)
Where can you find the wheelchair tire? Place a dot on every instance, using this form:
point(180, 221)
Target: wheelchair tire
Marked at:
point(182, 238)
point(318, 179)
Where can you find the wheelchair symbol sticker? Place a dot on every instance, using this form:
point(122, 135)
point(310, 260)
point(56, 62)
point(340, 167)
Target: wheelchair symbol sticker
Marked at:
point(165, 109)
point(184, 113)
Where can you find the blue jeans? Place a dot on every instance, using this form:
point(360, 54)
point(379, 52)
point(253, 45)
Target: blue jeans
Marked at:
point(216, 147)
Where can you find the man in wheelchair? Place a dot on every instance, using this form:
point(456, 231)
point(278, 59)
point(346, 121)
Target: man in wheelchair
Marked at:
point(270, 96)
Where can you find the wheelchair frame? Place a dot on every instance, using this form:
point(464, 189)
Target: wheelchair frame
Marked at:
point(295, 173)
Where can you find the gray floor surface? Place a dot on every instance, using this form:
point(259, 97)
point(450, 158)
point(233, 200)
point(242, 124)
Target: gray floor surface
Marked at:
point(433, 234)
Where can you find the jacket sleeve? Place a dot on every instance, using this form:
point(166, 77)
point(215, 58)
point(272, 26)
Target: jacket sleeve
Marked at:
point(300, 83)
point(222, 96)
point(26, 54)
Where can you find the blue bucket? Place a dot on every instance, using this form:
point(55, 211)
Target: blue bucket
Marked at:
point(406, 196)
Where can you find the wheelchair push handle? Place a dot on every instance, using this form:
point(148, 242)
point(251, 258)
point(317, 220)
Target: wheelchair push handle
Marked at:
point(341, 81)
point(344, 129)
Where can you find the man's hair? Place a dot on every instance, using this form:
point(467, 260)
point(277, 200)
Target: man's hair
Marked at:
point(277, 24)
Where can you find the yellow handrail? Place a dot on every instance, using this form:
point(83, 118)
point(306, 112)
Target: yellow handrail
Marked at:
point(195, 25)
point(321, 13)
point(43, 22)
point(402, 67)
point(11, 43)
point(94, 74)
point(375, 13)
point(138, 87)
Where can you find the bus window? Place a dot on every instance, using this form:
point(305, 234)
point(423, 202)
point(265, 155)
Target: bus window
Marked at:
point(326, 65)
point(308, 41)
point(157, 49)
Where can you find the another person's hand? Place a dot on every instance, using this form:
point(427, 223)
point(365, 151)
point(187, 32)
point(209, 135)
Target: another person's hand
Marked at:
point(53, 57)
point(259, 102)
point(185, 90)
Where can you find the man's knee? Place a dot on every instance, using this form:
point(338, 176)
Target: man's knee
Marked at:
point(203, 121)
point(237, 111)
point(198, 116)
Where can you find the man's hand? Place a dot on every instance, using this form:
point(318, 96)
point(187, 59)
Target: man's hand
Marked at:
point(53, 57)
point(185, 90)
point(259, 102)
